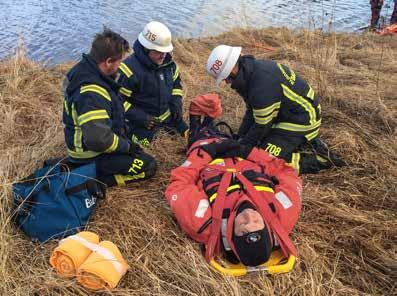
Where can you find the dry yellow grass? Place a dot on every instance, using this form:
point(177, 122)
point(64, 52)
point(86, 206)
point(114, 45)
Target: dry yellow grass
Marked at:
point(346, 235)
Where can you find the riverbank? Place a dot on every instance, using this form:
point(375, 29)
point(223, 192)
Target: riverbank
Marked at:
point(347, 230)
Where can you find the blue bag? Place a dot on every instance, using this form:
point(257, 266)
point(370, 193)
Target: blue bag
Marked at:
point(57, 200)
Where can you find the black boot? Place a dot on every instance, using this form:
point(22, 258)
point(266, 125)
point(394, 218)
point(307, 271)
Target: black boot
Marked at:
point(325, 157)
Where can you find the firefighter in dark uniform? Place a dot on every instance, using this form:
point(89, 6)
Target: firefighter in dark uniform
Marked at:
point(94, 117)
point(282, 110)
point(376, 7)
point(151, 86)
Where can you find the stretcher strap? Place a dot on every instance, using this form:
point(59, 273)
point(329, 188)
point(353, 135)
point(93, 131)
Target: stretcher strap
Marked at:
point(217, 211)
point(105, 253)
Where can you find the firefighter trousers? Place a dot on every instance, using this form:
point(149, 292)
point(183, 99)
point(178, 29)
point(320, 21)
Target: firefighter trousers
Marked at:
point(288, 148)
point(376, 7)
point(120, 169)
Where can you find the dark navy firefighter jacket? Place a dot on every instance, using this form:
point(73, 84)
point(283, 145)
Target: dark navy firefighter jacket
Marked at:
point(93, 113)
point(277, 100)
point(149, 89)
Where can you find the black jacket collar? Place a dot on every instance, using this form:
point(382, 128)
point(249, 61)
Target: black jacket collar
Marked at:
point(143, 58)
point(87, 72)
point(246, 69)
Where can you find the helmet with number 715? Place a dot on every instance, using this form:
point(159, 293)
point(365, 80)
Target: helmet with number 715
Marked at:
point(156, 36)
point(222, 60)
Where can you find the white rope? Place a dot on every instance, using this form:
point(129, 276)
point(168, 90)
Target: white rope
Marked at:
point(105, 253)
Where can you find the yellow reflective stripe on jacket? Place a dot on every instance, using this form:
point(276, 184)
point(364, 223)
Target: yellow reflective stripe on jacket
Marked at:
point(127, 106)
point(266, 115)
point(296, 127)
point(291, 78)
point(165, 115)
point(65, 105)
point(96, 89)
point(310, 93)
point(83, 154)
point(301, 101)
point(266, 111)
point(266, 120)
point(78, 134)
point(92, 115)
point(125, 91)
point(312, 135)
point(263, 188)
point(176, 74)
point(114, 144)
point(230, 188)
point(126, 70)
point(177, 92)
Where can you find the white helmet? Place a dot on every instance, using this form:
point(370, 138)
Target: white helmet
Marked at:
point(222, 60)
point(156, 36)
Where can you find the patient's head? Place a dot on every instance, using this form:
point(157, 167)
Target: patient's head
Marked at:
point(251, 237)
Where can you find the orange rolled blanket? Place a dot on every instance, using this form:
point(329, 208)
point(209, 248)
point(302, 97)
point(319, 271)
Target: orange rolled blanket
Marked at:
point(72, 252)
point(103, 269)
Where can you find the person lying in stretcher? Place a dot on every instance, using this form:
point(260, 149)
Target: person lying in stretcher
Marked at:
point(240, 203)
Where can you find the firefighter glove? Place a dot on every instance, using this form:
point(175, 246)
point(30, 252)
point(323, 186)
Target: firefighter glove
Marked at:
point(176, 113)
point(227, 148)
point(151, 122)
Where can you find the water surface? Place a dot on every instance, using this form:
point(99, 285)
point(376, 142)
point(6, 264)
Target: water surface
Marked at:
point(59, 30)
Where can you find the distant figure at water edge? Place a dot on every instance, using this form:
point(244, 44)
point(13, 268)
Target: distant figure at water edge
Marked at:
point(151, 86)
point(94, 119)
point(282, 111)
point(376, 7)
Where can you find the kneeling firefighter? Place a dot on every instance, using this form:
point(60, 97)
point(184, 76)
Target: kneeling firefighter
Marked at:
point(151, 86)
point(282, 110)
point(240, 203)
point(93, 115)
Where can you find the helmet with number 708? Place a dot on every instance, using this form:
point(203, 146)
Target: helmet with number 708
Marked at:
point(156, 36)
point(222, 60)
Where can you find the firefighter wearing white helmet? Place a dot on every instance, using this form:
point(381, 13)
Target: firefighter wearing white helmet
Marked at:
point(156, 36)
point(282, 110)
point(151, 86)
point(222, 60)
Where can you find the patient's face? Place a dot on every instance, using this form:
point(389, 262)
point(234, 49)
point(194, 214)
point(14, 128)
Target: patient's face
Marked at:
point(247, 221)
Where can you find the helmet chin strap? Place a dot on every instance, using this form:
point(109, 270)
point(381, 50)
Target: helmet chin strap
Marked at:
point(213, 241)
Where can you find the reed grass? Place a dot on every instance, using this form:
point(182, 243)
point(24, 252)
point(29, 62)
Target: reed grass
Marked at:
point(346, 235)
